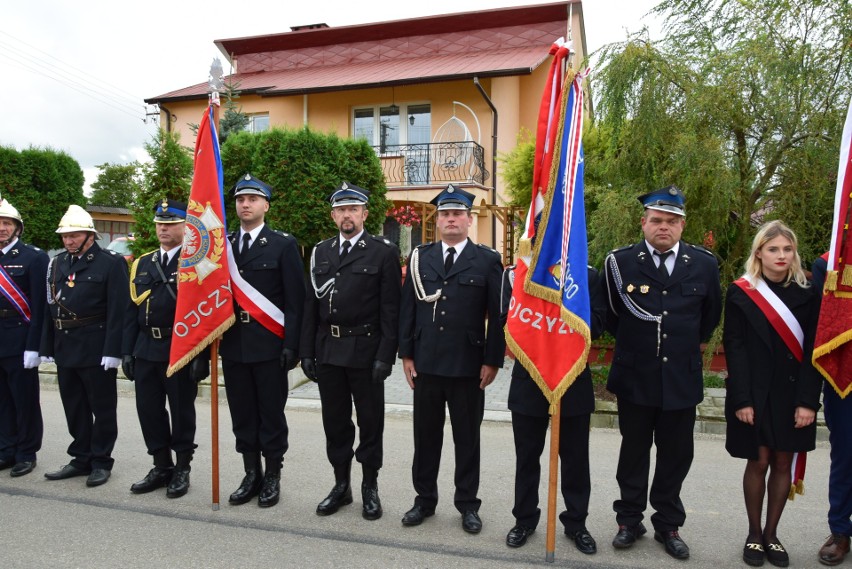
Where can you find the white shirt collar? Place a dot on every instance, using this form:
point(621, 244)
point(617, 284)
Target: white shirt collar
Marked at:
point(459, 247)
point(352, 240)
point(10, 246)
point(253, 233)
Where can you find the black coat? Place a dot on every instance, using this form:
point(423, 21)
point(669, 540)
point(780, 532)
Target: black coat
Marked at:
point(526, 398)
point(665, 372)
point(26, 265)
point(366, 291)
point(273, 266)
point(450, 339)
point(99, 289)
point(152, 305)
point(764, 374)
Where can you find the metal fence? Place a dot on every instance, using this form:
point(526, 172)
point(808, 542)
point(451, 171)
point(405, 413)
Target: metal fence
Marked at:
point(432, 163)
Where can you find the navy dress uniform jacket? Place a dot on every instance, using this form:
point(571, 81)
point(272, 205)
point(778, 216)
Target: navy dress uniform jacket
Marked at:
point(456, 343)
point(27, 267)
point(366, 292)
point(99, 289)
point(689, 302)
point(764, 374)
point(155, 308)
point(273, 266)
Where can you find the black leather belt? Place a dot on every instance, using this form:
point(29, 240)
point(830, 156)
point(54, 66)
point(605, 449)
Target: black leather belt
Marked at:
point(9, 314)
point(78, 322)
point(158, 332)
point(343, 331)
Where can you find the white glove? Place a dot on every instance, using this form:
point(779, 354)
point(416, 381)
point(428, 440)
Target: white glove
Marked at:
point(46, 359)
point(31, 360)
point(110, 363)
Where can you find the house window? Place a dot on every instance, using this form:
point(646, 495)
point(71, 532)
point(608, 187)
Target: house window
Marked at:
point(394, 125)
point(258, 123)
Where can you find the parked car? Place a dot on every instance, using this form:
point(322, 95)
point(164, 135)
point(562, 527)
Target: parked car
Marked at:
point(121, 245)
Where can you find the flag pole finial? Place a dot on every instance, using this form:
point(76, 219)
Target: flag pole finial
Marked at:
point(215, 80)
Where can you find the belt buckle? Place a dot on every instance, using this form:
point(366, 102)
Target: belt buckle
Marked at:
point(335, 330)
point(156, 334)
point(245, 317)
point(58, 324)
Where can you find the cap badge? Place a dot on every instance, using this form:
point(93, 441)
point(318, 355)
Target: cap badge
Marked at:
point(165, 204)
point(248, 177)
point(672, 192)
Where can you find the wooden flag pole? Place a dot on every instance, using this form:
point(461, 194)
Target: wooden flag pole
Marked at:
point(214, 372)
point(214, 419)
point(552, 484)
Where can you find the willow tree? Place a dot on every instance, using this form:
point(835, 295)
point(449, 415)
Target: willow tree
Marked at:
point(740, 104)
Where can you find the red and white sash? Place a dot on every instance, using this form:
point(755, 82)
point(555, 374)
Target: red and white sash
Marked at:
point(252, 301)
point(776, 312)
point(14, 295)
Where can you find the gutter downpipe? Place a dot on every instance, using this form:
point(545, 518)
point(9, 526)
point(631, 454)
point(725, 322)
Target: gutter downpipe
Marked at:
point(168, 118)
point(494, 118)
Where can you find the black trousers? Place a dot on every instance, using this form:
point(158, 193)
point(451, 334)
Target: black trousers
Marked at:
point(339, 387)
point(257, 393)
point(21, 426)
point(466, 402)
point(529, 434)
point(153, 388)
point(89, 397)
point(671, 432)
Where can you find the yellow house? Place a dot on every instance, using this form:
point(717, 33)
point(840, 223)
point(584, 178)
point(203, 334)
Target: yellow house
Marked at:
point(438, 97)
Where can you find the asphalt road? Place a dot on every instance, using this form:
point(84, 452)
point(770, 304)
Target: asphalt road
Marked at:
point(66, 524)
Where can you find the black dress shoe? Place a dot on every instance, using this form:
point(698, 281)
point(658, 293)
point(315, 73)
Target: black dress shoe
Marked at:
point(372, 505)
point(471, 522)
point(340, 495)
point(249, 488)
point(157, 477)
point(270, 490)
point(518, 535)
point(6, 463)
point(674, 545)
point(584, 541)
point(627, 535)
point(179, 483)
point(67, 471)
point(416, 515)
point(97, 477)
point(776, 554)
point(23, 467)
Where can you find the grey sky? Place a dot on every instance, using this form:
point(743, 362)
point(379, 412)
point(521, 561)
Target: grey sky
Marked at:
point(76, 73)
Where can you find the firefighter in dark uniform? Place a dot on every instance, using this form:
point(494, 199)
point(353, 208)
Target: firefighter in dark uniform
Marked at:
point(255, 360)
point(664, 301)
point(87, 296)
point(449, 355)
point(22, 300)
point(147, 341)
point(530, 421)
point(349, 343)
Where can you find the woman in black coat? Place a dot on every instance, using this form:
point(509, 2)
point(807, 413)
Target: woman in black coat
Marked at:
point(773, 390)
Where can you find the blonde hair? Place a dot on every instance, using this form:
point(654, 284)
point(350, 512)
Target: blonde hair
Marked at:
point(768, 232)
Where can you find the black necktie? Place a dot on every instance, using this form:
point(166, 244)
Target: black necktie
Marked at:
point(448, 262)
point(345, 251)
point(662, 269)
point(246, 243)
point(164, 260)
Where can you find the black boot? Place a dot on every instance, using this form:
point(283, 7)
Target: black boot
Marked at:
point(270, 490)
point(158, 476)
point(370, 494)
point(179, 484)
point(340, 495)
point(250, 486)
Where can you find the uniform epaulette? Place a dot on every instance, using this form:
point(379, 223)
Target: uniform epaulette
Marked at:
point(701, 248)
point(381, 239)
point(487, 248)
point(284, 233)
point(148, 254)
point(625, 248)
point(425, 245)
point(28, 246)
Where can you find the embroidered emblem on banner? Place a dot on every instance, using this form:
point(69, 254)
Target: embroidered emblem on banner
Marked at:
point(204, 242)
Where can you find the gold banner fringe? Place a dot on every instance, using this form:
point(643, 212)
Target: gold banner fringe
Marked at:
point(201, 345)
point(824, 350)
point(830, 282)
point(847, 276)
point(796, 488)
